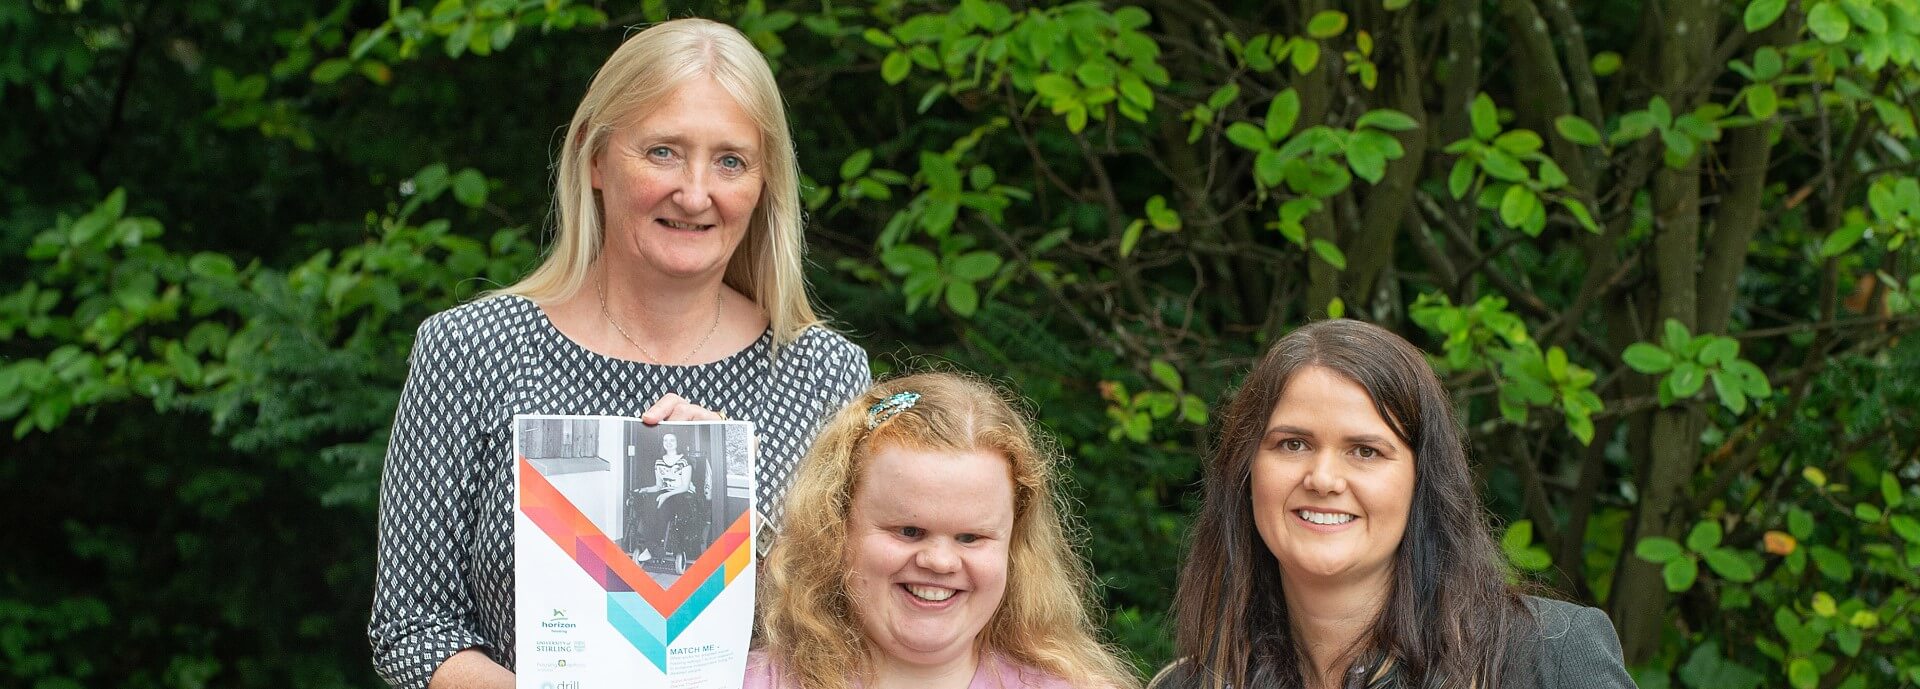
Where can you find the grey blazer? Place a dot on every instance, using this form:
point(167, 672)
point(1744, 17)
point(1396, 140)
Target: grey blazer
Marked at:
point(1572, 647)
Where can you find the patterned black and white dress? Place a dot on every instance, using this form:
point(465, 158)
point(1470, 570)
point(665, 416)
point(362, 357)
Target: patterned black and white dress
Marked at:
point(445, 576)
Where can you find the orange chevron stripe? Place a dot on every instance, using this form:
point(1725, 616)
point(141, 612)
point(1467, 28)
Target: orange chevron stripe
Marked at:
point(566, 525)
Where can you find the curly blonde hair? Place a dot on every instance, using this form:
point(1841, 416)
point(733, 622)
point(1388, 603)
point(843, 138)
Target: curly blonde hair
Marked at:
point(808, 625)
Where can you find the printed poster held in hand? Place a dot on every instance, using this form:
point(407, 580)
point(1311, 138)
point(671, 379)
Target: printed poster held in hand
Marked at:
point(633, 552)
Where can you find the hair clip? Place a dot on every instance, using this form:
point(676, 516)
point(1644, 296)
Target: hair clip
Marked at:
point(887, 408)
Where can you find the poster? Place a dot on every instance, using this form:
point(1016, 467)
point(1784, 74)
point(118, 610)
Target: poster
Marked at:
point(633, 552)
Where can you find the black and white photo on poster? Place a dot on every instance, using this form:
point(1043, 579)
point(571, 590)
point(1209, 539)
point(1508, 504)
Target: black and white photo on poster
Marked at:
point(664, 493)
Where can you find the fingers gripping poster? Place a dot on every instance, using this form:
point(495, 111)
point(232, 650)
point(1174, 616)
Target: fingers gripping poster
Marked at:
point(633, 552)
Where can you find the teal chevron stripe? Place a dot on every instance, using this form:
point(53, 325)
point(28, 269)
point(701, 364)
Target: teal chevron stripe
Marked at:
point(643, 627)
point(696, 603)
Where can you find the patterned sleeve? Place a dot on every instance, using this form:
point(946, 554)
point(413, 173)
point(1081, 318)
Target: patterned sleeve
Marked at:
point(422, 612)
point(846, 376)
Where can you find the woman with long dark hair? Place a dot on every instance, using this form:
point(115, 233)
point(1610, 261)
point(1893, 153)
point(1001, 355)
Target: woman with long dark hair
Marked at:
point(1341, 542)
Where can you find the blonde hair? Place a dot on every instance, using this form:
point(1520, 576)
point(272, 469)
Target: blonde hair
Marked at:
point(808, 625)
point(641, 74)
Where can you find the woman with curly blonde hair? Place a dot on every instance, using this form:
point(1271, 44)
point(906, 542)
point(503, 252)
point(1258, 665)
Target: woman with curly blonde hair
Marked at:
point(925, 546)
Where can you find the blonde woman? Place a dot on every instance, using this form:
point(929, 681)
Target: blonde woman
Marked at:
point(673, 291)
point(924, 546)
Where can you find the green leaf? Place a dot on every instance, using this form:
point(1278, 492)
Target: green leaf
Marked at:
point(963, 298)
point(1519, 535)
point(1502, 166)
point(1842, 239)
point(1247, 136)
point(1802, 674)
point(1166, 375)
point(1054, 86)
point(1680, 573)
point(1727, 563)
point(1606, 63)
point(1131, 237)
point(974, 266)
point(1327, 24)
point(1163, 218)
point(1306, 55)
point(470, 188)
point(1675, 336)
point(1890, 489)
point(1753, 381)
point(1460, 180)
point(908, 259)
point(1704, 536)
point(1686, 380)
point(1518, 204)
point(1576, 130)
point(1632, 127)
point(1728, 390)
point(1867, 512)
point(1831, 563)
point(1761, 101)
point(1269, 167)
point(940, 172)
point(1095, 74)
point(1519, 142)
point(1388, 119)
point(1799, 523)
point(331, 71)
point(1907, 527)
point(1330, 253)
point(1132, 18)
point(1281, 115)
point(1657, 549)
point(1766, 63)
point(1368, 152)
point(1193, 409)
point(895, 67)
point(1137, 92)
point(856, 164)
point(1485, 118)
point(1718, 350)
point(1865, 16)
point(879, 38)
point(1828, 22)
point(1762, 13)
point(1223, 96)
point(1706, 669)
point(1578, 210)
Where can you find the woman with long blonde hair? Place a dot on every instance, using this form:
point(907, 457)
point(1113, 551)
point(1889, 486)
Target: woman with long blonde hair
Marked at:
point(672, 291)
point(925, 546)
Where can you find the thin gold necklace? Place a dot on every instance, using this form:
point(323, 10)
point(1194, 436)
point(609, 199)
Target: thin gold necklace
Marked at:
point(643, 350)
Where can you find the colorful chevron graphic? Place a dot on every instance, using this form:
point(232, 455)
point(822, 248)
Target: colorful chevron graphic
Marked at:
point(648, 616)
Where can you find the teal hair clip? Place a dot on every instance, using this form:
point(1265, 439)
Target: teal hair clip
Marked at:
point(887, 408)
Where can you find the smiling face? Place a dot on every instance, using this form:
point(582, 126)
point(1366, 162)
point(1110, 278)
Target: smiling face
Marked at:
point(1332, 484)
point(679, 185)
point(669, 443)
point(927, 539)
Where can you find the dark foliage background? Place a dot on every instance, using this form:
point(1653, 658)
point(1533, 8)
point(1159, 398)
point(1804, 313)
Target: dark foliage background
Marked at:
point(1661, 249)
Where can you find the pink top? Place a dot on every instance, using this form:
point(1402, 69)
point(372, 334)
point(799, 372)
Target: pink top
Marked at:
point(994, 672)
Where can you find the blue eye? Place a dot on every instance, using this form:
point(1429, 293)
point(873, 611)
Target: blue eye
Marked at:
point(660, 152)
point(733, 162)
point(967, 538)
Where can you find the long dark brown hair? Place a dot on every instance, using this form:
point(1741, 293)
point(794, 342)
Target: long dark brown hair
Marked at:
point(1449, 613)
